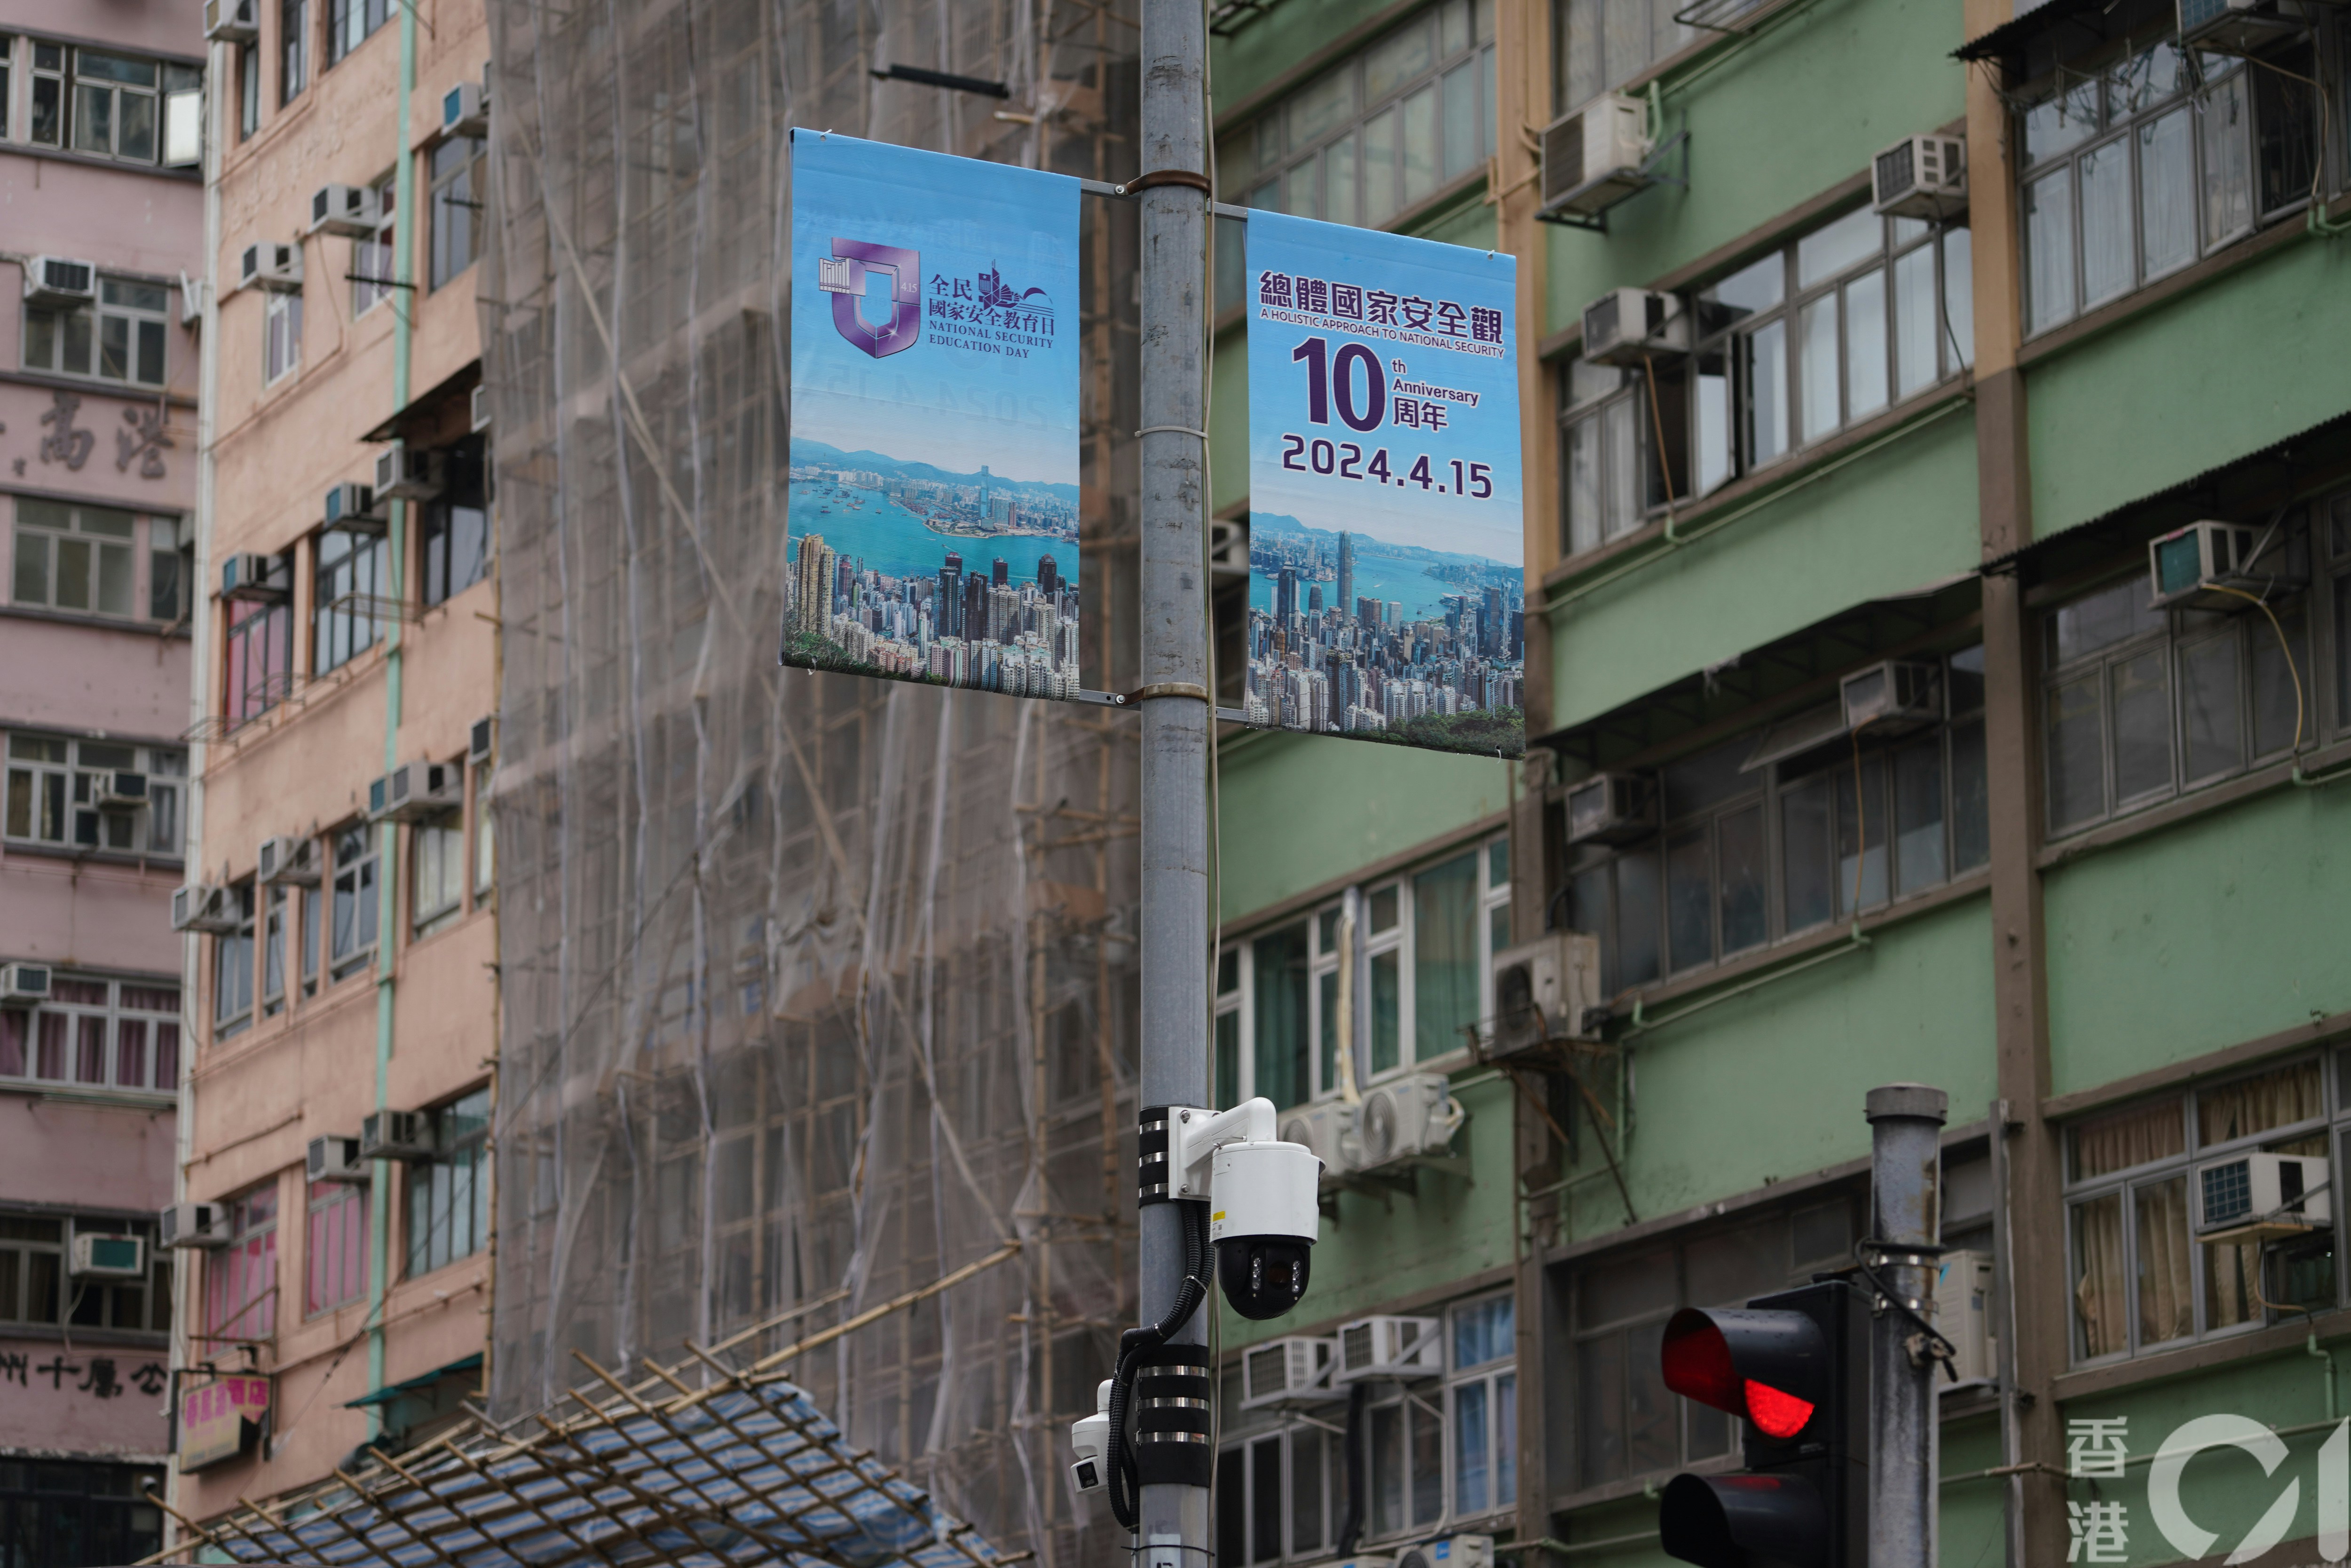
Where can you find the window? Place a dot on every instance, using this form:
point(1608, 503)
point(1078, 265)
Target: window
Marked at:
point(1280, 1495)
point(459, 187)
point(233, 968)
point(259, 671)
point(241, 1280)
point(48, 110)
point(457, 525)
point(273, 951)
point(1785, 829)
point(36, 1286)
point(1417, 951)
point(1625, 1423)
point(311, 905)
point(281, 333)
point(372, 257)
point(335, 1247)
point(106, 105)
point(449, 1194)
point(355, 895)
point(1603, 44)
point(171, 571)
point(294, 49)
point(350, 23)
point(2140, 1280)
point(2141, 703)
point(249, 91)
point(120, 339)
point(7, 103)
point(63, 792)
point(2138, 168)
point(437, 884)
point(97, 1034)
point(352, 574)
point(1373, 136)
point(56, 1513)
point(1482, 1402)
point(485, 859)
point(86, 560)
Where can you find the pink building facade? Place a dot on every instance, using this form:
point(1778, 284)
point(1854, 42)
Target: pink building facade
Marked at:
point(102, 216)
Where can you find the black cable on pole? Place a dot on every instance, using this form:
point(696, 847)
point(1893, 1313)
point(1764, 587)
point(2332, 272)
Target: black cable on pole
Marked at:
point(1125, 1485)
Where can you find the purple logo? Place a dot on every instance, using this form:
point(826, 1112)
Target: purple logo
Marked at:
point(842, 276)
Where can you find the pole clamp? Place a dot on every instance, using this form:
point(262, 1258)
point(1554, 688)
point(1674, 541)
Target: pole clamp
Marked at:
point(1168, 689)
point(1142, 183)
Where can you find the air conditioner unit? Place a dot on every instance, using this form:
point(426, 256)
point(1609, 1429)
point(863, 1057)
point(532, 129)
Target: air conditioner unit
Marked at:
point(58, 280)
point(1449, 1551)
point(1543, 991)
point(1896, 698)
point(192, 1225)
point(415, 790)
point(199, 907)
point(337, 1158)
point(120, 788)
point(481, 742)
point(1592, 158)
point(287, 861)
point(465, 111)
point(232, 21)
point(247, 575)
point(2264, 1189)
point(349, 211)
point(353, 506)
point(23, 985)
point(405, 474)
point(1963, 1297)
point(1920, 177)
point(1285, 1372)
point(2211, 566)
point(192, 300)
point(270, 264)
point(2237, 26)
point(1630, 326)
point(1322, 1127)
point(396, 1135)
point(481, 408)
point(1404, 1118)
point(1388, 1347)
point(1611, 809)
point(108, 1255)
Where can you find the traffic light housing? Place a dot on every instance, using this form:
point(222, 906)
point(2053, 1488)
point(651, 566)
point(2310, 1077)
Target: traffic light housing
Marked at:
point(1794, 1367)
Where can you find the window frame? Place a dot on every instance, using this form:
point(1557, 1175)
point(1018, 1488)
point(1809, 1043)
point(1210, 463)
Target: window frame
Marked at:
point(447, 830)
point(247, 692)
point(241, 1281)
point(23, 1031)
point(1491, 1374)
point(357, 852)
point(17, 1228)
point(145, 328)
point(471, 172)
point(359, 567)
point(66, 779)
point(375, 263)
point(453, 1150)
point(232, 975)
point(350, 23)
point(334, 1247)
point(281, 334)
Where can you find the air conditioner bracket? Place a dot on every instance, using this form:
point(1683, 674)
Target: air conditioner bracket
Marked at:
point(1646, 176)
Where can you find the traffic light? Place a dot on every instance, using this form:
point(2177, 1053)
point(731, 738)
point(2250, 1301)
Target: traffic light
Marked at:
point(1794, 1367)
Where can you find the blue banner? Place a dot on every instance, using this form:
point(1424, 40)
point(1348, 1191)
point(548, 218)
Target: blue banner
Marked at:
point(1388, 583)
point(932, 533)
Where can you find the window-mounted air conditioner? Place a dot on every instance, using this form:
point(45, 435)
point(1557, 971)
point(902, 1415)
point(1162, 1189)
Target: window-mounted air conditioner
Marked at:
point(2238, 27)
point(1449, 1551)
point(1288, 1372)
point(1896, 698)
point(415, 791)
point(120, 788)
point(270, 264)
point(1592, 157)
point(23, 985)
point(465, 111)
point(2258, 1189)
point(1963, 1296)
point(60, 280)
point(336, 1158)
point(354, 507)
point(1920, 177)
point(1322, 1127)
point(347, 211)
point(405, 474)
point(396, 1135)
point(1543, 991)
point(481, 409)
point(290, 860)
point(202, 908)
point(252, 576)
point(2212, 566)
point(1611, 809)
point(232, 21)
point(1388, 1347)
point(109, 1254)
point(192, 1225)
point(1633, 326)
point(1406, 1118)
point(192, 300)
point(482, 741)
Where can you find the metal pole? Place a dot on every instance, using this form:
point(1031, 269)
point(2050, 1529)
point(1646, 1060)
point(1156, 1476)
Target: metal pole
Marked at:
point(2011, 1426)
point(1906, 1180)
point(1174, 1526)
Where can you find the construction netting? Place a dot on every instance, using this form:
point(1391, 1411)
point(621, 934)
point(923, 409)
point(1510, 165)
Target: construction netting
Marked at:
point(815, 989)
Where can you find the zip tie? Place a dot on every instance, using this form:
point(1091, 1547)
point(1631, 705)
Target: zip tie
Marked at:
point(1142, 183)
point(1175, 429)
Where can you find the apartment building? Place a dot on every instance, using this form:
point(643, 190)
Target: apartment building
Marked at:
point(98, 150)
point(333, 1223)
point(1885, 725)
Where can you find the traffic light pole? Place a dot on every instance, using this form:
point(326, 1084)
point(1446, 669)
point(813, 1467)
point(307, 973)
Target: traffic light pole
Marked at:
point(1905, 1122)
point(1173, 1524)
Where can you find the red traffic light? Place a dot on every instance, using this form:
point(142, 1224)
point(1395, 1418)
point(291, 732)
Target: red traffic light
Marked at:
point(1769, 1367)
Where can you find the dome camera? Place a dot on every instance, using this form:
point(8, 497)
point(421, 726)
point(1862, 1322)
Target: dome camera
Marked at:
point(1263, 1220)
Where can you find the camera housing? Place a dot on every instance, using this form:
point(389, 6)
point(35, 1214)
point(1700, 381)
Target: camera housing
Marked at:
point(1263, 1221)
point(1089, 1442)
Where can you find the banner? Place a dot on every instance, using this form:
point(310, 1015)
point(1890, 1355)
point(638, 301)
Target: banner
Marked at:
point(218, 1420)
point(933, 532)
point(1388, 583)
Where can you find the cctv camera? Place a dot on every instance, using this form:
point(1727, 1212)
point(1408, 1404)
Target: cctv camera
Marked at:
point(1090, 1440)
point(1263, 1220)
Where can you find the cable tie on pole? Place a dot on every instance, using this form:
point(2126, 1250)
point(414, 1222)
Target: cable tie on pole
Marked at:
point(1170, 429)
point(1142, 183)
point(1168, 689)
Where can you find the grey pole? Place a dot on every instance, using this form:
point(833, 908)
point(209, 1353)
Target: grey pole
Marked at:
point(1174, 1527)
point(1906, 1200)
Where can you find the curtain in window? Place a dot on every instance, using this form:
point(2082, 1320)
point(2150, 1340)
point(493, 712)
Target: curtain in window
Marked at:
point(1444, 955)
point(2099, 1303)
point(2166, 1304)
point(1281, 1042)
point(2121, 1139)
point(2272, 1098)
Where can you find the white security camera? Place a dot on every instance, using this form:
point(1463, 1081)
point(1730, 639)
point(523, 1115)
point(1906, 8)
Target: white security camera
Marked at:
point(1090, 1440)
point(1263, 1216)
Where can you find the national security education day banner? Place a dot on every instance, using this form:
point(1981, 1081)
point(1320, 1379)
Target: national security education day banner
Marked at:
point(933, 525)
point(1386, 566)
